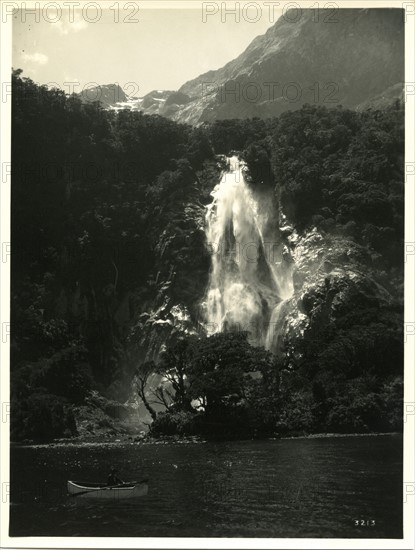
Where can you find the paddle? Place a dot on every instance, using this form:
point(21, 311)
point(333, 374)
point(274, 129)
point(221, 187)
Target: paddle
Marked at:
point(107, 487)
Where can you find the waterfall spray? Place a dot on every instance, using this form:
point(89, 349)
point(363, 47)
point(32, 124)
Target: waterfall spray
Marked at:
point(249, 280)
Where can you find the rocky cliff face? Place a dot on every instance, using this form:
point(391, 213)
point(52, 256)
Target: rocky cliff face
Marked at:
point(332, 278)
point(182, 272)
point(182, 264)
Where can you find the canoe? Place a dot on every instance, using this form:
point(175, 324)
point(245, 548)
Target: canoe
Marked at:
point(130, 489)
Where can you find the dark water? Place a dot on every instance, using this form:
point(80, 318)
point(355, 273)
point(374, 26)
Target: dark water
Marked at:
point(285, 488)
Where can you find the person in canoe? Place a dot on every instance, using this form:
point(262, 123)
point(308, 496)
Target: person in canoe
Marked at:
point(113, 479)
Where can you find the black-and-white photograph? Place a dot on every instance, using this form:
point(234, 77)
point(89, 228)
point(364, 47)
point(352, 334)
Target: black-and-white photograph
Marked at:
point(207, 255)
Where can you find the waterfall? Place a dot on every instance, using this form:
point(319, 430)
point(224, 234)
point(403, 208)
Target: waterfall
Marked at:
point(249, 279)
point(273, 336)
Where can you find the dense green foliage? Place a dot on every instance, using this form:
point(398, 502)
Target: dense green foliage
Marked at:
point(228, 389)
point(106, 215)
point(223, 388)
point(96, 199)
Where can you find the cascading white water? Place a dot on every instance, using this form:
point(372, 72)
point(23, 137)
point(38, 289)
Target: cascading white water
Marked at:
point(249, 280)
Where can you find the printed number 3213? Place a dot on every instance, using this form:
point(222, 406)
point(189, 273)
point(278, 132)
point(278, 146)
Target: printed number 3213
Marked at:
point(364, 522)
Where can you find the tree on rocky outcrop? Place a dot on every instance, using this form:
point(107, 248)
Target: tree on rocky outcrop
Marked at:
point(175, 365)
point(140, 382)
point(218, 369)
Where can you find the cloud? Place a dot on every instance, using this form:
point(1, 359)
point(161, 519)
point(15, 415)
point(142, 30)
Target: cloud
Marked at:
point(39, 58)
point(65, 27)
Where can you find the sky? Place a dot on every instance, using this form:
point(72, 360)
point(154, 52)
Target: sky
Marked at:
point(160, 49)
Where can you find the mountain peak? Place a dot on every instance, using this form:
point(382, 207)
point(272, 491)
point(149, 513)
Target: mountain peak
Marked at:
point(326, 56)
point(349, 57)
point(106, 94)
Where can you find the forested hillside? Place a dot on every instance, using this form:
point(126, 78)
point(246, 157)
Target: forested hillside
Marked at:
point(110, 265)
point(98, 221)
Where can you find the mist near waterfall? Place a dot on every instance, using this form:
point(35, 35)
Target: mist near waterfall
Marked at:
point(250, 279)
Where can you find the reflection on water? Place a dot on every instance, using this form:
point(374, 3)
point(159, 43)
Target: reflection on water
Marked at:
point(285, 488)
